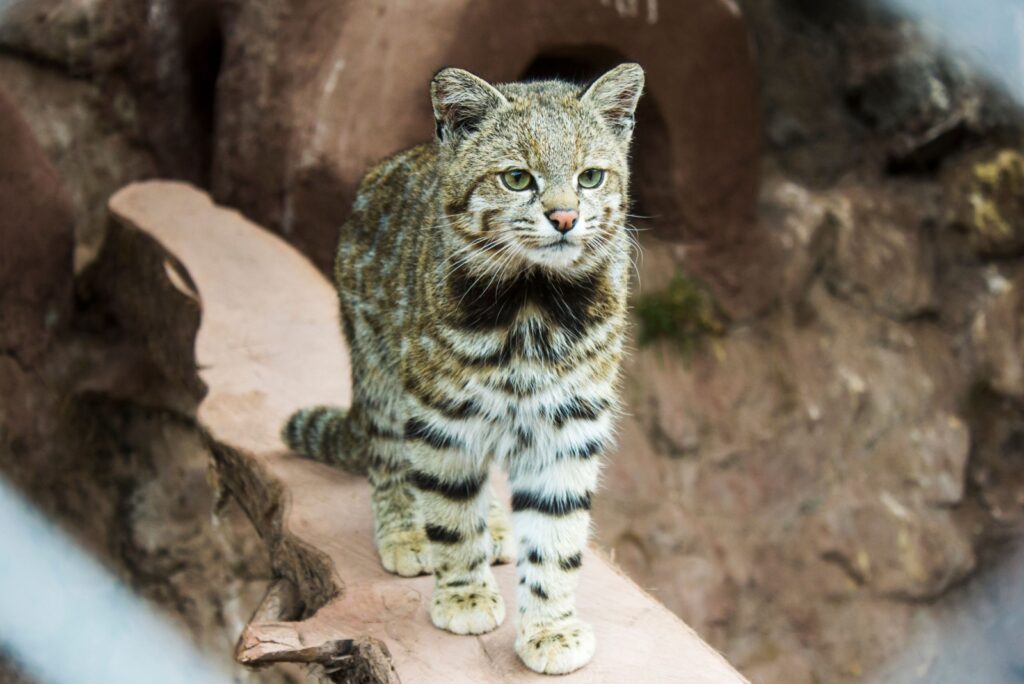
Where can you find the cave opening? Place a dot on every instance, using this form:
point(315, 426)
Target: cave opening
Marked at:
point(203, 51)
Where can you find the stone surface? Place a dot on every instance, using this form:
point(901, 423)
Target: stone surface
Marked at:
point(309, 98)
point(988, 200)
point(810, 486)
point(873, 242)
point(996, 336)
point(874, 90)
point(74, 122)
point(83, 37)
point(35, 244)
point(175, 537)
point(997, 464)
point(883, 254)
point(114, 91)
point(128, 482)
point(820, 477)
point(260, 368)
point(35, 294)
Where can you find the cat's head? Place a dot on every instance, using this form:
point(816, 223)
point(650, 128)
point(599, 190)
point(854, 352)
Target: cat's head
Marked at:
point(536, 174)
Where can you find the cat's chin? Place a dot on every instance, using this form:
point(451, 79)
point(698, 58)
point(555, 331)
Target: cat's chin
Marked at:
point(558, 257)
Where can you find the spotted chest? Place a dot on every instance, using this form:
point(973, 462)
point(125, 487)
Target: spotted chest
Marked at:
point(532, 389)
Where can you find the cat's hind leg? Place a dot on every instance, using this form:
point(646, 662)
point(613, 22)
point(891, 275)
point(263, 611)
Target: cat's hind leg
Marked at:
point(377, 411)
point(398, 526)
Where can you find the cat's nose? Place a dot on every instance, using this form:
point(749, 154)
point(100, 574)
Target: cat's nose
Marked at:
point(563, 220)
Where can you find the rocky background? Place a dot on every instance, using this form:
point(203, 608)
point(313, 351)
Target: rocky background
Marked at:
point(822, 464)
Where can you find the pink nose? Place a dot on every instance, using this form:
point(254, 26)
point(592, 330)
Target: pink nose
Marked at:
point(563, 220)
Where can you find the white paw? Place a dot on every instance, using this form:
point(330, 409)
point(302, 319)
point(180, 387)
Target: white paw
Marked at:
point(405, 553)
point(556, 648)
point(467, 610)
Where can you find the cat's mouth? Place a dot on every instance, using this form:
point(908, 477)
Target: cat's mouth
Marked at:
point(558, 253)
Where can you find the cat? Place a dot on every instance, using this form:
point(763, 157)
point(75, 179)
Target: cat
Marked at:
point(483, 281)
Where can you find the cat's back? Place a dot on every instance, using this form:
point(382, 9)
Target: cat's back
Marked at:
point(393, 210)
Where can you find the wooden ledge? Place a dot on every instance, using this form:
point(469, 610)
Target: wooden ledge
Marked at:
point(268, 343)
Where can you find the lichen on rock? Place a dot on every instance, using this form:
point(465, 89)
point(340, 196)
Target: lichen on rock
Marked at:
point(988, 201)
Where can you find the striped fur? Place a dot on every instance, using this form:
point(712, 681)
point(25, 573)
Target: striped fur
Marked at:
point(480, 335)
point(324, 433)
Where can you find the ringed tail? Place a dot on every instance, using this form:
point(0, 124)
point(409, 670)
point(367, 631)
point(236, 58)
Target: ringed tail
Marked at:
point(325, 434)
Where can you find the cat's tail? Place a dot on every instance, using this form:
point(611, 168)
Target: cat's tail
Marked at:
point(327, 434)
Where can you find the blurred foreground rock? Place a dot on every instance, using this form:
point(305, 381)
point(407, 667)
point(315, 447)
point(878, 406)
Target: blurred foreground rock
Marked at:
point(114, 91)
point(97, 436)
point(820, 470)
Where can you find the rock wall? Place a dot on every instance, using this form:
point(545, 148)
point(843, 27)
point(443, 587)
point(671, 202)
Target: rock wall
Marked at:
point(103, 443)
point(310, 97)
point(816, 486)
point(822, 458)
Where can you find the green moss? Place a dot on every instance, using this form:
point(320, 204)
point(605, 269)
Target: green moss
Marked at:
point(683, 312)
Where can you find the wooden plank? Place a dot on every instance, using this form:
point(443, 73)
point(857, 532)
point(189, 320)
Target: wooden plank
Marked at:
point(269, 343)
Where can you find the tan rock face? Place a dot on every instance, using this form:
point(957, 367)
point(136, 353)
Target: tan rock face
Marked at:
point(809, 486)
point(997, 462)
point(36, 240)
point(35, 243)
point(310, 97)
point(70, 120)
point(988, 201)
point(114, 91)
point(883, 254)
point(996, 337)
point(818, 461)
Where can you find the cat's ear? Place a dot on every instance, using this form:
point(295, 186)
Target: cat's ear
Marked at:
point(615, 94)
point(461, 100)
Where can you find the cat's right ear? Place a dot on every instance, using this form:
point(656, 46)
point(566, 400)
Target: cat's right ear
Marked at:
point(615, 96)
point(461, 100)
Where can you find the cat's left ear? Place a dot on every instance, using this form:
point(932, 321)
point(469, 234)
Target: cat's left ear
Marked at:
point(615, 94)
point(461, 101)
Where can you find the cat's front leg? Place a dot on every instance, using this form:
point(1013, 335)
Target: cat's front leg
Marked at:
point(454, 498)
point(551, 518)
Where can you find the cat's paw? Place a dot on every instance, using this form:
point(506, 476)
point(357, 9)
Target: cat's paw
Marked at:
point(405, 552)
point(473, 609)
point(556, 648)
point(501, 535)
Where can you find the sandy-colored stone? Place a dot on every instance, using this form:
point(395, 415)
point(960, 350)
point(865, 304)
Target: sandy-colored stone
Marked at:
point(35, 243)
point(115, 91)
point(997, 336)
point(882, 254)
point(268, 343)
point(309, 98)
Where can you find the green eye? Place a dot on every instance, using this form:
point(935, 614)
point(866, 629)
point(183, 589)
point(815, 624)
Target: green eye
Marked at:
point(517, 179)
point(591, 178)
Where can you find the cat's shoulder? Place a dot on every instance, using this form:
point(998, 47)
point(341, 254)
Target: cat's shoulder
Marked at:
point(397, 168)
